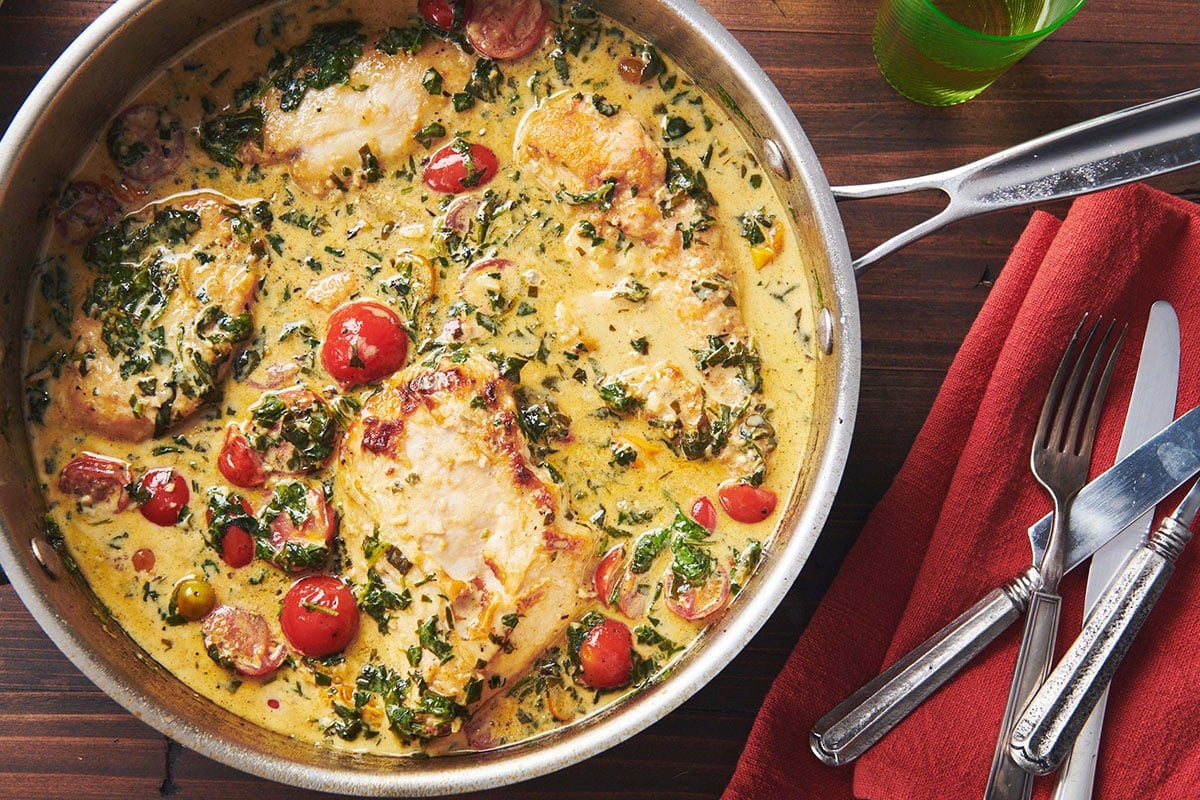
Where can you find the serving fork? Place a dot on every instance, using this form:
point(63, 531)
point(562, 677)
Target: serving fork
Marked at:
point(1061, 455)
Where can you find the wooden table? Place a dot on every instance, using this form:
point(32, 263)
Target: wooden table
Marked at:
point(60, 737)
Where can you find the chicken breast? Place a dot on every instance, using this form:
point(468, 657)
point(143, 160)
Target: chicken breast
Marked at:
point(442, 506)
point(328, 139)
point(170, 305)
point(608, 170)
point(576, 152)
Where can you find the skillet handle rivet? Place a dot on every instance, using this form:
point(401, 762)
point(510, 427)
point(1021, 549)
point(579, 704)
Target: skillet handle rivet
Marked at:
point(825, 330)
point(773, 158)
point(38, 556)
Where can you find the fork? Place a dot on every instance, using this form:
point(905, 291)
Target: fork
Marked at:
point(1062, 453)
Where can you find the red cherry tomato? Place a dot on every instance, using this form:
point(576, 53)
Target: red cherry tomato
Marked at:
point(237, 547)
point(606, 655)
point(319, 616)
point(506, 29)
point(608, 571)
point(698, 602)
point(363, 343)
point(440, 13)
point(166, 493)
point(747, 503)
point(460, 167)
point(143, 559)
point(238, 461)
point(704, 513)
point(96, 480)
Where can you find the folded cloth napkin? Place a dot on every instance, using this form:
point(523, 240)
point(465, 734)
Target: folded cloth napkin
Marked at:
point(952, 527)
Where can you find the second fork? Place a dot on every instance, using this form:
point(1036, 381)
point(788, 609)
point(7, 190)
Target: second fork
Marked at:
point(1061, 455)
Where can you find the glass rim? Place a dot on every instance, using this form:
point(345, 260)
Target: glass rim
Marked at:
point(1043, 31)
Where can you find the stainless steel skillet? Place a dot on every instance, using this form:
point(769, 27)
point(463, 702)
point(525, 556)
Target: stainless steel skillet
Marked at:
point(37, 154)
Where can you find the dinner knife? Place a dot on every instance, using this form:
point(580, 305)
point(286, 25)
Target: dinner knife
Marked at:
point(1151, 406)
point(1043, 734)
point(1104, 507)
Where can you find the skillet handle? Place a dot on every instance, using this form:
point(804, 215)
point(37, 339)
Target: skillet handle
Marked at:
point(859, 721)
point(1118, 148)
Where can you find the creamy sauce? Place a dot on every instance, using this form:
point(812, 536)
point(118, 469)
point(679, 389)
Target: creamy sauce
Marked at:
point(620, 335)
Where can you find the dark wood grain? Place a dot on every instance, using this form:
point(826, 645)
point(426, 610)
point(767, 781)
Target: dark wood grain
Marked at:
point(60, 737)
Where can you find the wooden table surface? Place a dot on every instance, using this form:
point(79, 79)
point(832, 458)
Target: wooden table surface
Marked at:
point(60, 737)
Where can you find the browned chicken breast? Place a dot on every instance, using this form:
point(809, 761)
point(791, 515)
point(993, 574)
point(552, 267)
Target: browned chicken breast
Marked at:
point(331, 136)
point(169, 305)
point(442, 506)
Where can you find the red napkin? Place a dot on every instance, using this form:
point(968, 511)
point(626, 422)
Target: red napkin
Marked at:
point(952, 527)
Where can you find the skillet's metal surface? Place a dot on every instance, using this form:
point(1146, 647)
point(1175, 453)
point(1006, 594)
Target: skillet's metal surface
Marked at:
point(82, 89)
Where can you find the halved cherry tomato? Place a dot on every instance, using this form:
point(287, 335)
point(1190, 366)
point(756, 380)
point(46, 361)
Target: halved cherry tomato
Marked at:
point(747, 503)
point(440, 13)
point(240, 639)
point(607, 573)
point(319, 616)
point(632, 594)
point(506, 29)
point(238, 461)
point(606, 655)
point(698, 602)
point(96, 480)
point(302, 526)
point(363, 343)
point(459, 167)
point(165, 492)
point(704, 513)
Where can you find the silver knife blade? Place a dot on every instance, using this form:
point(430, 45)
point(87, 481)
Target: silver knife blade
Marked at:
point(1151, 405)
point(1120, 495)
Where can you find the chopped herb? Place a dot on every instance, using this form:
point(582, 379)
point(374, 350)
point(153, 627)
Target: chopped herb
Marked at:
point(323, 60)
point(430, 133)
point(223, 136)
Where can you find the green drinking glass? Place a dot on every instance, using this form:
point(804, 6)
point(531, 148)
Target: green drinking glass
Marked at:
point(942, 52)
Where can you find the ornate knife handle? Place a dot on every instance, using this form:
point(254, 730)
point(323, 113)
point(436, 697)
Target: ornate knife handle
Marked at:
point(1046, 731)
point(862, 719)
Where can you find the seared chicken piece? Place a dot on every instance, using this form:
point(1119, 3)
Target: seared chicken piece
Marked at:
point(441, 503)
point(170, 306)
point(380, 107)
point(573, 150)
point(709, 372)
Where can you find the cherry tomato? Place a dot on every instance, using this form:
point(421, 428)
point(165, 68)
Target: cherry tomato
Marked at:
point(143, 559)
point(237, 547)
point(240, 639)
point(459, 167)
point(319, 616)
point(96, 480)
point(364, 342)
point(193, 598)
point(302, 526)
point(236, 543)
point(698, 602)
point(704, 513)
point(506, 29)
point(82, 208)
point(440, 13)
point(166, 493)
point(747, 503)
point(632, 595)
point(238, 461)
point(608, 571)
point(606, 655)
